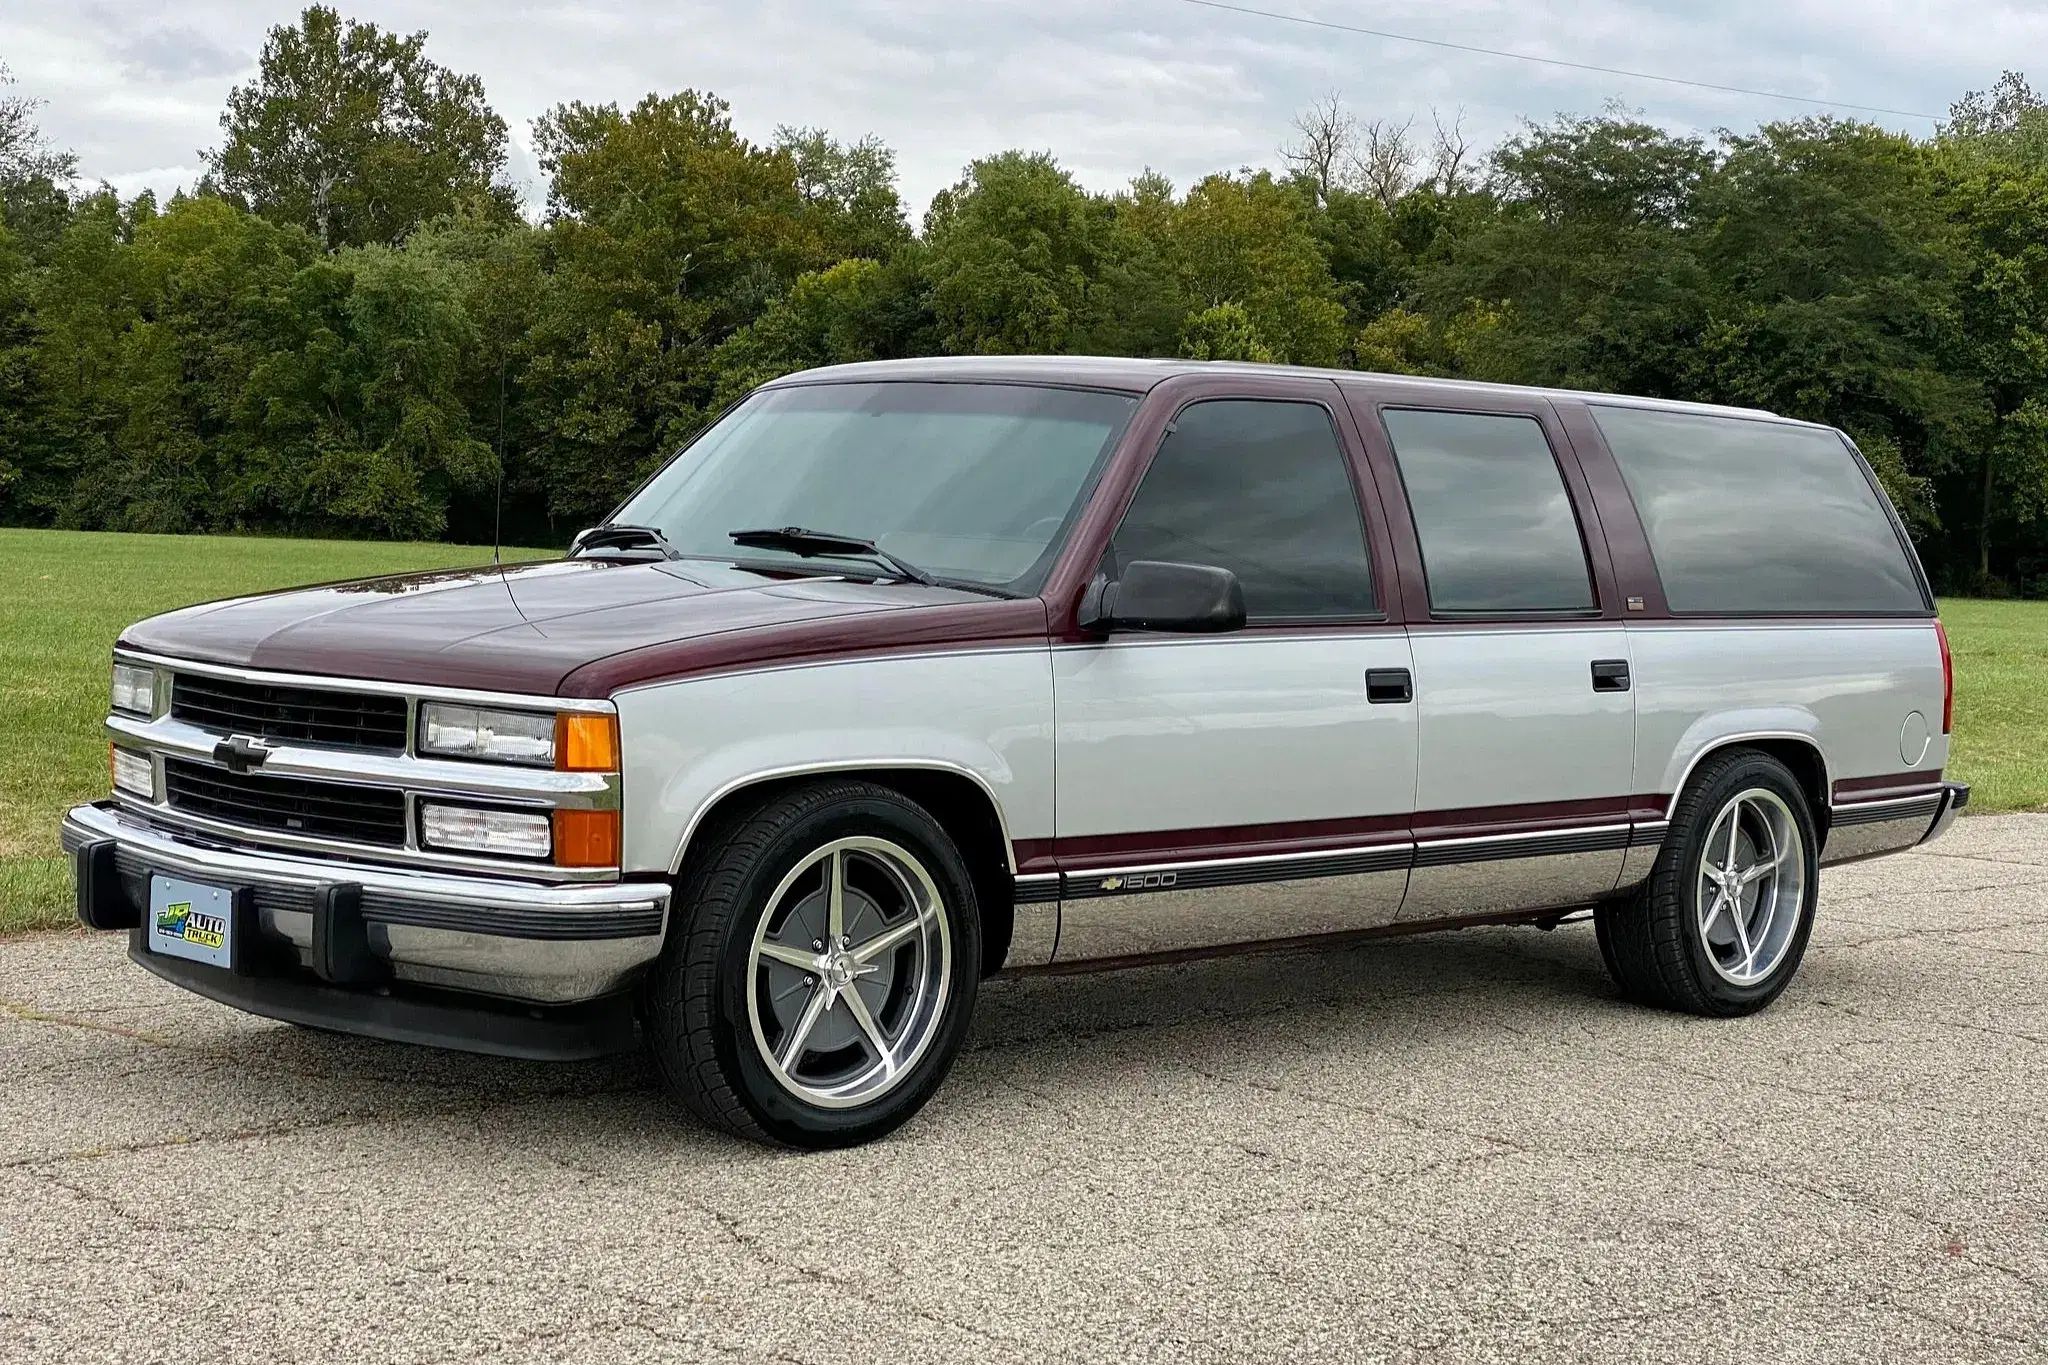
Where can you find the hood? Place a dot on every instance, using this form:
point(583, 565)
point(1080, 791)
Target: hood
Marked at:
point(519, 628)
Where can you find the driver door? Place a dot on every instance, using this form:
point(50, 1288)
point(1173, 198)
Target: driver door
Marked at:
point(1256, 785)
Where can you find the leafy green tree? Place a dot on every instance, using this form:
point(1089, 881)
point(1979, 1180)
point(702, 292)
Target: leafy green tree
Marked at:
point(1248, 240)
point(1590, 243)
point(1834, 290)
point(1013, 250)
point(1224, 332)
point(503, 271)
point(1135, 302)
point(2007, 123)
point(361, 407)
point(849, 192)
point(2002, 261)
point(354, 135)
point(668, 232)
point(857, 310)
point(149, 326)
point(33, 174)
point(22, 429)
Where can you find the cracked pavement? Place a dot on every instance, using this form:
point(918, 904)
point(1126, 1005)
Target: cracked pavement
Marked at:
point(1452, 1148)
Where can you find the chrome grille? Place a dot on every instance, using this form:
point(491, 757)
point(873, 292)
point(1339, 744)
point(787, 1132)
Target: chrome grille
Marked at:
point(296, 715)
point(289, 805)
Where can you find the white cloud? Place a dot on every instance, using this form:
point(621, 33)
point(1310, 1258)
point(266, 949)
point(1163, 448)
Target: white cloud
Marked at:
point(1110, 86)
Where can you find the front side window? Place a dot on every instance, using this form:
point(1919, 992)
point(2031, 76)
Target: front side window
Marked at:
point(1745, 516)
point(1260, 488)
point(973, 483)
point(1490, 508)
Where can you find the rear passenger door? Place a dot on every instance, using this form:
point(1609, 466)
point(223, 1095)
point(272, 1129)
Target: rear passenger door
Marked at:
point(1218, 789)
point(1525, 720)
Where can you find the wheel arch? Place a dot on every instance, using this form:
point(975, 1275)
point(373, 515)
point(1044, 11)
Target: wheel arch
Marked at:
point(958, 798)
point(1800, 751)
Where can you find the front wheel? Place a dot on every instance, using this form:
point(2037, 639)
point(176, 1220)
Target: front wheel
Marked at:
point(1721, 925)
point(821, 985)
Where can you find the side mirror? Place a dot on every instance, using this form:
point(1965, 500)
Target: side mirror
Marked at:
point(1151, 595)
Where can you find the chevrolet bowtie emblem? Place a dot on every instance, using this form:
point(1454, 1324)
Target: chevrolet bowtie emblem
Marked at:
point(1112, 883)
point(240, 753)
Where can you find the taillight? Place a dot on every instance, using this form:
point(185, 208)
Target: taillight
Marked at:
point(1948, 681)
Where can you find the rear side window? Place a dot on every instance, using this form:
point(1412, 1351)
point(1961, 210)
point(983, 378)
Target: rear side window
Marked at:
point(1260, 488)
point(1747, 516)
point(1497, 530)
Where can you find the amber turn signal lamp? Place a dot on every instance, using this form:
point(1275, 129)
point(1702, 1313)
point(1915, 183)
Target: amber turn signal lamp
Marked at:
point(586, 744)
point(586, 838)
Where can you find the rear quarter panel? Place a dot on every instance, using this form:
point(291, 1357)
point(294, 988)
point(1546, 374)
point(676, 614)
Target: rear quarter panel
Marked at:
point(1848, 686)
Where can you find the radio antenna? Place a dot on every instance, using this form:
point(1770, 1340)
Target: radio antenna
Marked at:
point(498, 494)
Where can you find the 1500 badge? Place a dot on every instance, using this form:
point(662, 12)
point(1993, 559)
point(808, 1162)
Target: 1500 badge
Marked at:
point(1143, 881)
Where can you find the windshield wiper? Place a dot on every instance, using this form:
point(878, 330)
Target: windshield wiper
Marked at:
point(633, 543)
point(800, 541)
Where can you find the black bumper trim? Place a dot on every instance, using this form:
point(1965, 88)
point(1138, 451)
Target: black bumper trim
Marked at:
point(567, 1033)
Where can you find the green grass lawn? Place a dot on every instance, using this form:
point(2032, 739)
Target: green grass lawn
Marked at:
point(2001, 739)
point(65, 595)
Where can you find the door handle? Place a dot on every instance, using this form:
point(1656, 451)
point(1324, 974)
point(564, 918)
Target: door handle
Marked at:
point(1384, 686)
point(1610, 675)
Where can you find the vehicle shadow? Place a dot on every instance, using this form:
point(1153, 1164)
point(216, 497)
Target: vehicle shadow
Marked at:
point(1059, 1032)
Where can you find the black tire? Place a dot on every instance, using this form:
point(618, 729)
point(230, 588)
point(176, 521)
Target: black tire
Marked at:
point(1652, 941)
point(695, 1000)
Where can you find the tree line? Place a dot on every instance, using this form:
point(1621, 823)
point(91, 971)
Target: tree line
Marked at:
point(349, 328)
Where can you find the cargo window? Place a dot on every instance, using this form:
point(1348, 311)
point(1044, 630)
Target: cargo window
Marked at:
point(1260, 488)
point(1747, 516)
point(1497, 529)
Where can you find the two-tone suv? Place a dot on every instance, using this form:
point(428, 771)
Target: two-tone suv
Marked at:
point(903, 674)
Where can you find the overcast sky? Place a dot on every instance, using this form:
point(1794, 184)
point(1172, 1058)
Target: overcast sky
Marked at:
point(1109, 86)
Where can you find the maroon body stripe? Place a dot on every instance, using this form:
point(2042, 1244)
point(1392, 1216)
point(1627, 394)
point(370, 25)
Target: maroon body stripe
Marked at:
point(1230, 841)
point(1315, 836)
point(1526, 818)
point(1850, 791)
point(991, 624)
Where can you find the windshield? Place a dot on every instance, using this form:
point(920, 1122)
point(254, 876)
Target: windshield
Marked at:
point(970, 482)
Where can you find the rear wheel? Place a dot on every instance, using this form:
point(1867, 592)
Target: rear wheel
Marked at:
point(1721, 925)
point(820, 986)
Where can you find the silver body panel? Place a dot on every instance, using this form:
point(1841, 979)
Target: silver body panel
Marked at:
point(985, 715)
point(1508, 718)
point(1845, 688)
point(1159, 733)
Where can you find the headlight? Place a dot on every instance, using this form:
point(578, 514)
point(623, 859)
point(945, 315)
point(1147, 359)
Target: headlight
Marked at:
point(479, 732)
point(135, 689)
point(133, 772)
point(520, 834)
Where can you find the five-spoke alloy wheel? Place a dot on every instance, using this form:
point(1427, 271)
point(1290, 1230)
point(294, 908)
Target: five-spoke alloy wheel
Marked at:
point(1752, 869)
point(1721, 924)
point(850, 967)
point(821, 985)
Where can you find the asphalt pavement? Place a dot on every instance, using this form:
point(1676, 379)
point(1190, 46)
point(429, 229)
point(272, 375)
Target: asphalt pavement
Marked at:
point(1455, 1148)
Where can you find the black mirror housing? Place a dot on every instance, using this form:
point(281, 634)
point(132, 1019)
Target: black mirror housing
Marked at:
point(1193, 599)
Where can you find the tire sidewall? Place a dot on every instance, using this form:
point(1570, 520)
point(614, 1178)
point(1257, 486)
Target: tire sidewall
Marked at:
point(785, 1116)
point(1757, 770)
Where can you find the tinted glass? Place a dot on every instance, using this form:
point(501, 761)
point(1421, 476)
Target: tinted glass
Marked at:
point(1747, 516)
point(1260, 489)
point(1490, 507)
point(972, 482)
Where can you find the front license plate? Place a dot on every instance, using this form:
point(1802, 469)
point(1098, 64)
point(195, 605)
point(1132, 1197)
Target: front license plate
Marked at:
point(191, 920)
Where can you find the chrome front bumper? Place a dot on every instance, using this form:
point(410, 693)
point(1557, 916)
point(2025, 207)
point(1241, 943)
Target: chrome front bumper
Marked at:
point(530, 942)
